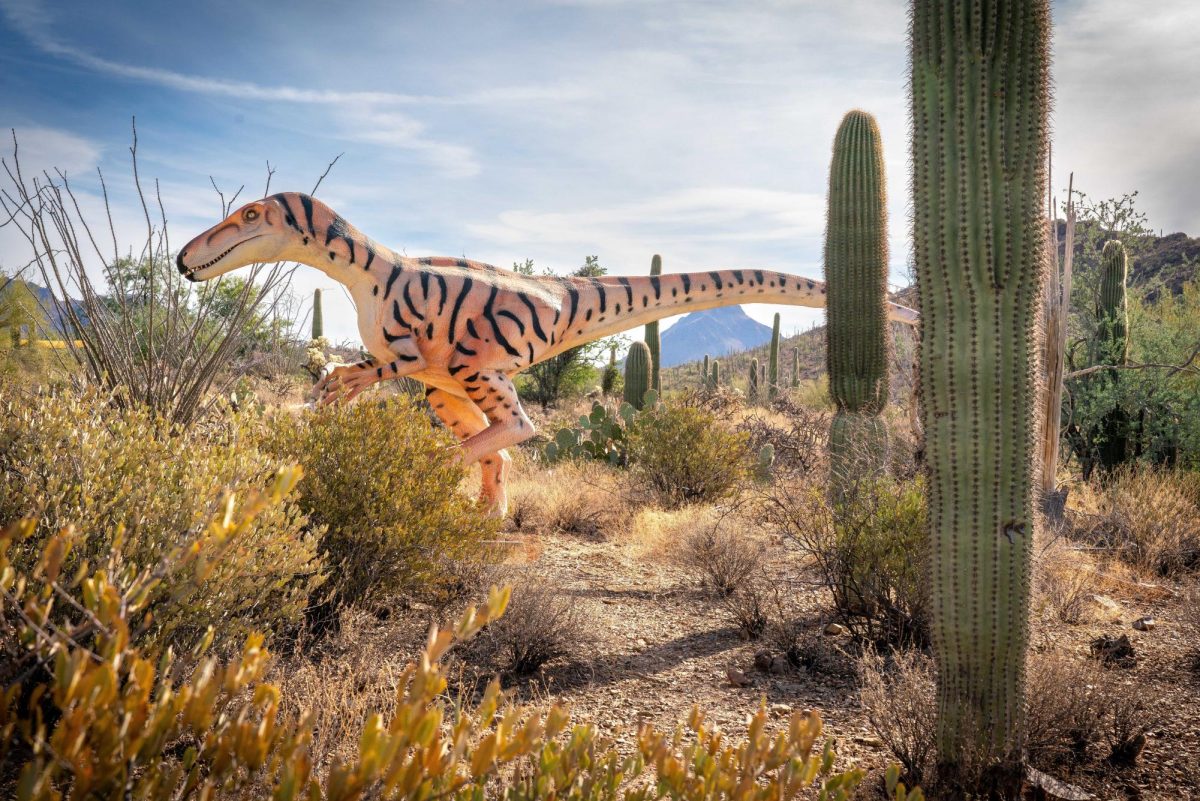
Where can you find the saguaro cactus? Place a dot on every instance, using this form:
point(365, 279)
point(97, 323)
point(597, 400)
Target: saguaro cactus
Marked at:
point(856, 318)
point(637, 374)
point(752, 382)
point(705, 380)
point(980, 97)
point(1112, 347)
point(773, 362)
point(716, 374)
point(318, 319)
point(652, 338)
point(795, 367)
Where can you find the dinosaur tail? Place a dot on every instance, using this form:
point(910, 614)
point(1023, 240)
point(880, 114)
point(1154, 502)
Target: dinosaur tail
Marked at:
point(617, 303)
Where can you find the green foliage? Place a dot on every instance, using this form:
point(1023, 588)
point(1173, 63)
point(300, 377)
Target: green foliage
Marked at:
point(652, 339)
point(105, 719)
point(980, 97)
point(638, 374)
point(20, 313)
point(611, 381)
point(773, 370)
point(685, 456)
point(383, 484)
point(139, 486)
point(318, 317)
point(856, 277)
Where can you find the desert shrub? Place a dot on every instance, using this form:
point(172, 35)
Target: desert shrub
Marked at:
point(867, 551)
point(541, 624)
point(719, 554)
point(1149, 519)
point(748, 606)
point(684, 456)
point(1063, 587)
point(897, 693)
point(583, 498)
point(798, 436)
point(139, 486)
point(384, 486)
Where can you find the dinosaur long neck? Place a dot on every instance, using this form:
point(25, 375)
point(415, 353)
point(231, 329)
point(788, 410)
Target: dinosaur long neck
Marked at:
point(611, 304)
point(329, 243)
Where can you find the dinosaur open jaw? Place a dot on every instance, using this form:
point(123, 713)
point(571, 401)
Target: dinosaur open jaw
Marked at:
point(191, 274)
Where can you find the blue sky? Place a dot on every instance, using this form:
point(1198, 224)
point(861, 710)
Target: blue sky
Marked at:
point(558, 129)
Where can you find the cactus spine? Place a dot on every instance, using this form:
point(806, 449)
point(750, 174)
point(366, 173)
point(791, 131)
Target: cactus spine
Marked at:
point(980, 95)
point(857, 326)
point(652, 338)
point(1112, 315)
point(773, 370)
point(795, 367)
point(637, 374)
point(752, 382)
point(318, 319)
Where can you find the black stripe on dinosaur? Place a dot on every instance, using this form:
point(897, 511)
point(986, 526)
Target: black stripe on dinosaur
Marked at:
point(398, 316)
point(737, 276)
point(572, 293)
point(716, 277)
point(654, 282)
point(391, 280)
point(515, 319)
point(393, 337)
point(537, 325)
point(465, 351)
point(466, 287)
point(687, 283)
point(337, 229)
point(442, 285)
point(471, 329)
point(600, 290)
point(289, 216)
point(424, 285)
point(306, 203)
point(491, 318)
point(409, 302)
point(623, 281)
point(370, 256)
point(758, 276)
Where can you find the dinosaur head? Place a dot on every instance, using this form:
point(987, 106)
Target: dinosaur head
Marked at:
point(262, 231)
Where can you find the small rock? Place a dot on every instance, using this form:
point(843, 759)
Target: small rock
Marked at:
point(1144, 623)
point(780, 710)
point(737, 678)
point(1114, 651)
point(1107, 607)
point(835, 629)
point(641, 643)
point(762, 661)
point(779, 664)
point(868, 739)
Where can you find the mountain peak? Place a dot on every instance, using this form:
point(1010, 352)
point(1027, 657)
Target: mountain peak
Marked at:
point(716, 332)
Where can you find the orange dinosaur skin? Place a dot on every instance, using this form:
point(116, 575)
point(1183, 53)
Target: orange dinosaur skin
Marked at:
point(464, 328)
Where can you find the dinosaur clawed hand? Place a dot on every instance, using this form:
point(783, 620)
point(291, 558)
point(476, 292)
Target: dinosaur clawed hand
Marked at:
point(343, 383)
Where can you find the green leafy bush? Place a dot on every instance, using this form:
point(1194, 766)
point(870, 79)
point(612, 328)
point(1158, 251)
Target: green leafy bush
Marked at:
point(383, 484)
point(684, 456)
point(868, 551)
point(105, 720)
point(141, 486)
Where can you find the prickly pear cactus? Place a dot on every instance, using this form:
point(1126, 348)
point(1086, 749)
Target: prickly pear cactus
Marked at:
point(857, 327)
point(980, 97)
point(652, 338)
point(637, 374)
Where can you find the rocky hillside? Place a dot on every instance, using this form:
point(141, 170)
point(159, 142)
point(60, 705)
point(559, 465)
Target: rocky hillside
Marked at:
point(716, 332)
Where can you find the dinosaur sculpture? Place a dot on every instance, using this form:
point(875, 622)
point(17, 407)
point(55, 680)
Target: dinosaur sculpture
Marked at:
point(463, 328)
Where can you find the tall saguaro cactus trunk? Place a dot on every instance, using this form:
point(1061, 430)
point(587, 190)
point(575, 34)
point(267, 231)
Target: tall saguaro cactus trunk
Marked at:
point(638, 369)
point(652, 339)
point(980, 98)
point(773, 363)
point(318, 319)
point(1112, 346)
point(856, 309)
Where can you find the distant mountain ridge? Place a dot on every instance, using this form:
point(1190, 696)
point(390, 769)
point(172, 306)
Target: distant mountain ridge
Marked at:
point(716, 332)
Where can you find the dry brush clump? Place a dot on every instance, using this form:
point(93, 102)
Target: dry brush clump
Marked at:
point(1149, 518)
point(579, 497)
point(719, 552)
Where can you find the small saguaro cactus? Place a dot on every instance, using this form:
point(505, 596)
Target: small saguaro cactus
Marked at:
point(857, 324)
point(318, 319)
point(704, 372)
point(795, 367)
point(980, 94)
point(716, 374)
point(773, 370)
point(1112, 347)
point(652, 338)
point(637, 374)
point(752, 382)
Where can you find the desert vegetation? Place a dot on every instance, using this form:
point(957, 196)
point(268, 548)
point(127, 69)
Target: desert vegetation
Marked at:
point(847, 564)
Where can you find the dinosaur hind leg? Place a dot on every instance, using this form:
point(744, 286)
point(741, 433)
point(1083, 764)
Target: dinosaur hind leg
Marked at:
point(465, 420)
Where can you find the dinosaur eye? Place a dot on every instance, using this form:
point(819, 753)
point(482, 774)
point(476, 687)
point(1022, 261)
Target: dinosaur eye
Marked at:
point(250, 215)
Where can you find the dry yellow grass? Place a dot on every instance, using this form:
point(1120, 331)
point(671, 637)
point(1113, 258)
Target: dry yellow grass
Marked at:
point(583, 498)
